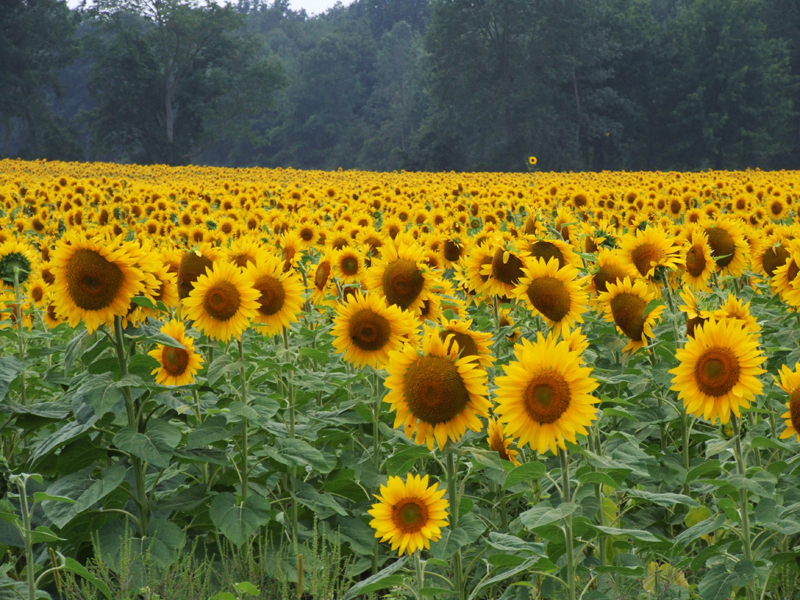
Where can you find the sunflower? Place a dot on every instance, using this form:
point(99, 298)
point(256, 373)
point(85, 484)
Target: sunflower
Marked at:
point(16, 256)
point(498, 442)
point(505, 270)
point(625, 305)
point(435, 392)
point(470, 343)
point(771, 255)
point(790, 383)
point(243, 251)
point(548, 248)
point(37, 292)
point(729, 247)
point(777, 208)
point(279, 294)
point(322, 282)
point(785, 278)
point(611, 268)
point(576, 340)
point(193, 264)
point(348, 265)
point(699, 264)
point(545, 395)
point(695, 316)
point(95, 279)
point(718, 371)
point(650, 249)
point(478, 256)
point(506, 321)
point(178, 365)
point(366, 329)
point(409, 515)
point(553, 292)
point(400, 276)
point(734, 310)
point(222, 302)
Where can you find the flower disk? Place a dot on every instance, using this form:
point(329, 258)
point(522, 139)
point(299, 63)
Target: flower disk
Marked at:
point(790, 383)
point(409, 515)
point(718, 371)
point(178, 365)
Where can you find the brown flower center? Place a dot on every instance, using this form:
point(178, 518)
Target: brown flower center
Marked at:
point(221, 301)
point(794, 408)
point(506, 271)
point(435, 392)
point(717, 371)
point(547, 250)
point(369, 330)
point(410, 515)
point(321, 275)
point(646, 256)
point(402, 282)
point(496, 444)
point(174, 361)
point(547, 396)
point(695, 260)
point(773, 258)
point(92, 281)
point(349, 265)
point(722, 246)
point(191, 267)
point(550, 297)
point(452, 251)
point(692, 324)
point(466, 345)
point(272, 295)
point(608, 274)
point(628, 311)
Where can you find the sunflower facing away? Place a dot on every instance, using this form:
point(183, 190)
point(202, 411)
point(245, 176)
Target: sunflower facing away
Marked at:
point(435, 392)
point(178, 365)
point(409, 515)
point(222, 302)
point(366, 329)
point(95, 280)
point(553, 292)
point(280, 294)
point(718, 371)
point(790, 383)
point(545, 395)
point(500, 442)
point(625, 304)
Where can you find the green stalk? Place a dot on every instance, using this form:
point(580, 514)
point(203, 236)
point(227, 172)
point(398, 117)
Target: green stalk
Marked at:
point(138, 467)
point(293, 468)
point(596, 447)
point(245, 472)
point(418, 570)
point(376, 449)
point(566, 497)
point(30, 570)
point(452, 492)
point(741, 469)
point(20, 335)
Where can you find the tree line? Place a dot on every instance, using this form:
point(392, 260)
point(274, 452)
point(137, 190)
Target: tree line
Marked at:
point(405, 84)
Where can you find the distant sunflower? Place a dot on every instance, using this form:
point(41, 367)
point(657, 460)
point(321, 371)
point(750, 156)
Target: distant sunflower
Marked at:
point(178, 366)
point(400, 276)
point(279, 299)
point(95, 279)
point(366, 329)
point(790, 383)
point(470, 343)
point(322, 280)
point(718, 371)
point(545, 396)
point(695, 316)
point(409, 515)
point(699, 265)
point(243, 251)
point(734, 310)
point(37, 292)
point(499, 441)
point(222, 302)
point(553, 292)
point(625, 305)
point(348, 265)
point(650, 249)
point(436, 393)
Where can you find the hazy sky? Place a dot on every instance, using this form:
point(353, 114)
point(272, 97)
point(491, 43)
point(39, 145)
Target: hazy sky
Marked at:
point(312, 7)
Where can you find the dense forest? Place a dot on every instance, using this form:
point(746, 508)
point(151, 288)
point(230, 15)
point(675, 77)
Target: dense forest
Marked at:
point(461, 85)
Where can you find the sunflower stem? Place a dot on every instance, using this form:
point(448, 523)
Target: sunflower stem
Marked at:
point(134, 422)
point(293, 468)
point(419, 571)
point(20, 335)
point(685, 431)
point(245, 471)
point(452, 493)
point(376, 449)
point(741, 469)
point(566, 497)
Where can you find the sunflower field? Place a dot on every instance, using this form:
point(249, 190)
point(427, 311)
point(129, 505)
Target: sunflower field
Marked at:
point(227, 384)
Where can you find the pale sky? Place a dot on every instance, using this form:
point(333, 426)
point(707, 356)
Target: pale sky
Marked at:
point(312, 7)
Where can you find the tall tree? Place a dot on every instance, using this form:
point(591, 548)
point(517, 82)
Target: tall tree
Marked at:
point(172, 76)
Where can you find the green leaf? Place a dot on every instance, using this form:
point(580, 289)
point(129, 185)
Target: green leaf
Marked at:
point(211, 430)
point(542, 514)
point(245, 587)
point(45, 534)
point(155, 446)
point(381, 580)
point(10, 368)
point(152, 333)
point(521, 568)
point(718, 584)
point(70, 564)
point(400, 463)
point(297, 452)
point(704, 468)
point(637, 534)
point(81, 491)
point(763, 442)
point(591, 477)
point(528, 472)
point(100, 393)
point(469, 529)
point(431, 592)
point(42, 496)
point(144, 301)
point(222, 365)
point(318, 355)
point(239, 523)
point(663, 499)
point(695, 532)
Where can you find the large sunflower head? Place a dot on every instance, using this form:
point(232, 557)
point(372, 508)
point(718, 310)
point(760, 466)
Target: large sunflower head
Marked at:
point(649, 250)
point(500, 442)
point(545, 396)
point(279, 294)
point(436, 393)
point(94, 279)
point(718, 370)
point(178, 366)
point(790, 383)
point(626, 305)
point(553, 292)
point(469, 342)
point(222, 302)
point(401, 276)
point(409, 515)
point(366, 329)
